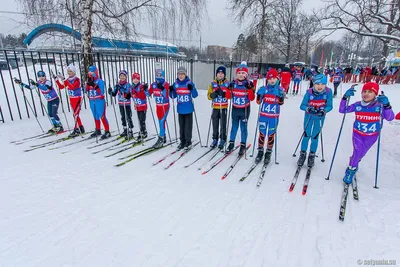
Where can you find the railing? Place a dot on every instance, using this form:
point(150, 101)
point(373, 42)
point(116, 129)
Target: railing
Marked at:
point(24, 65)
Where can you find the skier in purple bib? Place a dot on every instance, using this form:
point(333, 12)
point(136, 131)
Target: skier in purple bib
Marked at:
point(367, 125)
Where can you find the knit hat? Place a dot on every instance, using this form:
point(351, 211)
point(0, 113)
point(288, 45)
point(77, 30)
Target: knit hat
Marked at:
point(182, 69)
point(72, 68)
point(94, 72)
point(242, 67)
point(320, 79)
point(371, 86)
point(160, 74)
point(272, 73)
point(221, 69)
point(41, 73)
point(124, 72)
point(136, 76)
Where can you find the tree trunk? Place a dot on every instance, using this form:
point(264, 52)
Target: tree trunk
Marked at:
point(306, 52)
point(87, 43)
point(389, 29)
point(288, 46)
point(262, 33)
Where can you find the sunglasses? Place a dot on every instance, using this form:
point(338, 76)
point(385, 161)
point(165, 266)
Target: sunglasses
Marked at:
point(41, 75)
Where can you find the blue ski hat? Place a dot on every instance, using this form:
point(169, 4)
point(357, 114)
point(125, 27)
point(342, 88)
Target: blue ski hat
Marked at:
point(320, 79)
point(94, 72)
point(41, 73)
point(124, 72)
point(160, 75)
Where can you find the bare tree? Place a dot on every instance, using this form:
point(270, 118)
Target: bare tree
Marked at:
point(366, 18)
point(258, 14)
point(116, 18)
point(285, 26)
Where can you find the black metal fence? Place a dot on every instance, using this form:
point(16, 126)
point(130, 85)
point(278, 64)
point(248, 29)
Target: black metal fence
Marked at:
point(24, 65)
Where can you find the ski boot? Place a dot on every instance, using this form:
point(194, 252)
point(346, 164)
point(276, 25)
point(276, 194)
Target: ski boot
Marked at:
point(106, 135)
point(59, 128)
point(302, 158)
point(221, 144)
point(164, 139)
point(82, 129)
point(160, 142)
point(311, 159)
point(51, 131)
point(74, 133)
point(267, 157)
point(124, 132)
point(129, 136)
point(242, 149)
point(188, 146)
point(349, 175)
point(143, 134)
point(214, 143)
point(230, 147)
point(260, 155)
point(95, 133)
point(181, 145)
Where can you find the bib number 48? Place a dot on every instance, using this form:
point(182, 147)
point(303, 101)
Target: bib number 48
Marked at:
point(183, 98)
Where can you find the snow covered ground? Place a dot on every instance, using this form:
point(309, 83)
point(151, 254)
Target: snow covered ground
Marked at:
point(68, 207)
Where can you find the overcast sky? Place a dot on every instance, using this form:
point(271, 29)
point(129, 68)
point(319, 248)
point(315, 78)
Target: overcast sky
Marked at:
point(219, 29)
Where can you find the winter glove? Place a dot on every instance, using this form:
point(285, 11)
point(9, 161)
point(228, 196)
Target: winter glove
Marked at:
point(33, 82)
point(261, 91)
point(214, 95)
point(110, 91)
point(219, 91)
point(249, 85)
point(117, 87)
point(384, 100)
point(349, 93)
point(171, 88)
point(190, 86)
point(145, 86)
point(232, 85)
point(17, 81)
point(127, 96)
point(49, 87)
point(90, 82)
point(161, 86)
point(311, 110)
point(320, 112)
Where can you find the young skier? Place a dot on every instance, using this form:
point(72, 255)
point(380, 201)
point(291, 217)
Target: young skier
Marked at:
point(242, 95)
point(95, 90)
point(219, 93)
point(139, 91)
point(160, 92)
point(367, 124)
point(297, 75)
point(270, 98)
point(123, 90)
point(316, 103)
point(286, 76)
point(184, 91)
point(53, 101)
point(73, 85)
point(337, 79)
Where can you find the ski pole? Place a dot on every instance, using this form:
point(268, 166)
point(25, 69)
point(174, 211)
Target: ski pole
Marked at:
point(29, 104)
point(197, 124)
point(276, 138)
point(173, 107)
point(209, 128)
point(378, 150)
point(340, 132)
point(152, 114)
point(115, 113)
point(61, 100)
point(229, 118)
point(255, 133)
point(322, 144)
point(166, 123)
point(44, 108)
point(301, 137)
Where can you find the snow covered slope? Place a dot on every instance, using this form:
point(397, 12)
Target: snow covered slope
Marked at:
point(69, 207)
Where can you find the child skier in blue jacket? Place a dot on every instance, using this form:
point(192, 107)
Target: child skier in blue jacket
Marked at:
point(184, 91)
point(270, 98)
point(316, 103)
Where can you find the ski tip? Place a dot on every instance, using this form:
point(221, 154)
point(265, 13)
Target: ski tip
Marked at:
point(322, 160)
point(303, 193)
point(294, 155)
point(203, 173)
point(277, 163)
point(327, 178)
point(223, 177)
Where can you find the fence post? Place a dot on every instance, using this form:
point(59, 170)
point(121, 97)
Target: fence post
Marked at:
point(13, 86)
point(1, 113)
point(5, 92)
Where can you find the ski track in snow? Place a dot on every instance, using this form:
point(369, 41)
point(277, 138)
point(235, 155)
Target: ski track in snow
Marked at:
point(68, 207)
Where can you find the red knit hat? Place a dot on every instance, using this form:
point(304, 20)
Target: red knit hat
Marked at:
point(136, 76)
point(272, 73)
point(242, 67)
point(371, 86)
